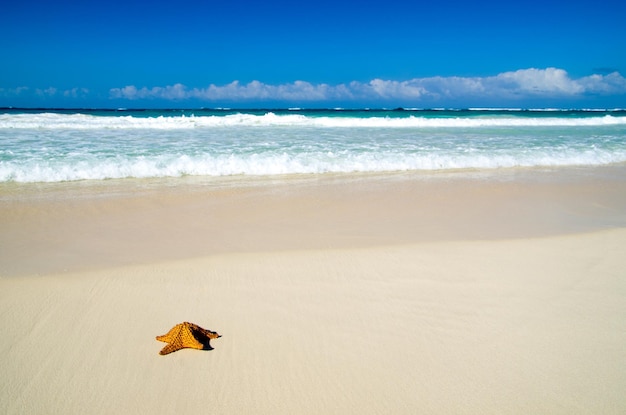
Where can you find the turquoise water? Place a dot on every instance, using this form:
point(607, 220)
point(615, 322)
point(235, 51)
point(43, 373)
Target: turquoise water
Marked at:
point(65, 145)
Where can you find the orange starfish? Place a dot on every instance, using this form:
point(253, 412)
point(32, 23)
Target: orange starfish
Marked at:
point(187, 335)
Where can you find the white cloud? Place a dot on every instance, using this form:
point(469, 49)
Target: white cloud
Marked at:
point(76, 92)
point(604, 84)
point(25, 91)
point(11, 92)
point(177, 91)
point(254, 90)
point(520, 84)
point(550, 81)
point(48, 92)
point(390, 89)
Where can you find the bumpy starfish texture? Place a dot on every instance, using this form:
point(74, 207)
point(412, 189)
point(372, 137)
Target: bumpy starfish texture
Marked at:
point(186, 335)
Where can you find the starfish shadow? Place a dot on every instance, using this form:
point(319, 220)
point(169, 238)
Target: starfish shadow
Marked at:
point(206, 342)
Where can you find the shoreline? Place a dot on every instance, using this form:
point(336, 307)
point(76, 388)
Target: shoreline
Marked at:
point(73, 226)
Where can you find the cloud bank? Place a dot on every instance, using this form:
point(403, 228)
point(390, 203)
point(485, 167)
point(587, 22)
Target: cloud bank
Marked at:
point(505, 89)
point(517, 85)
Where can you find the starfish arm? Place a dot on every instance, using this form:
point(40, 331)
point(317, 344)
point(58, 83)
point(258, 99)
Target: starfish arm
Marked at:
point(162, 338)
point(170, 335)
point(169, 348)
point(208, 333)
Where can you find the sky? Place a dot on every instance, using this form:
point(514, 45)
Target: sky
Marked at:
point(352, 54)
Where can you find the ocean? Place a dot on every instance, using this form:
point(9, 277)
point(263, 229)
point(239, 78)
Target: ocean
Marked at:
point(70, 145)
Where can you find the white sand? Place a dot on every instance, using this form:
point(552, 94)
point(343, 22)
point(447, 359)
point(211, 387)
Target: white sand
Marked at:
point(522, 325)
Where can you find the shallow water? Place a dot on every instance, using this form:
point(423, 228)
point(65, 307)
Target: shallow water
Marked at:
point(63, 145)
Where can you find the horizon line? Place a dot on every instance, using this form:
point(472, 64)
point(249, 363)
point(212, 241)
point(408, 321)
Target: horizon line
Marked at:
point(296, 109)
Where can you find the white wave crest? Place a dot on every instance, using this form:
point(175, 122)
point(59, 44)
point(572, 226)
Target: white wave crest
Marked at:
point(54, 121)
point(279, 163)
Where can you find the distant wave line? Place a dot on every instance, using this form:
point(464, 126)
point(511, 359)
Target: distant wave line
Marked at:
point(161, 122)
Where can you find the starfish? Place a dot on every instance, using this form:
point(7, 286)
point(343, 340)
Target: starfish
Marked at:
point(187, 335)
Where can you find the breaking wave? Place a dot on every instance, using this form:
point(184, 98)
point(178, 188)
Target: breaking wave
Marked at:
point(53, 147)
point(87, 121)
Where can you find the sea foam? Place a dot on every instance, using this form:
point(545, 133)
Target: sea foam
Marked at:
point(283, 163)
point(53, 147)
point(87, 121)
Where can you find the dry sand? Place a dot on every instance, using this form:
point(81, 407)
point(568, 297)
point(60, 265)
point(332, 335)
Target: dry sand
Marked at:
point(391, 294)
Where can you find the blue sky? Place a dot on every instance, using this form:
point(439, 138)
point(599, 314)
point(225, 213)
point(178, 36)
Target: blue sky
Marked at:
point(313, 54)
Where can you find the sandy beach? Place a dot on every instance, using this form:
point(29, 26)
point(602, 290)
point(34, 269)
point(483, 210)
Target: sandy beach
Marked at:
point(468, 293)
